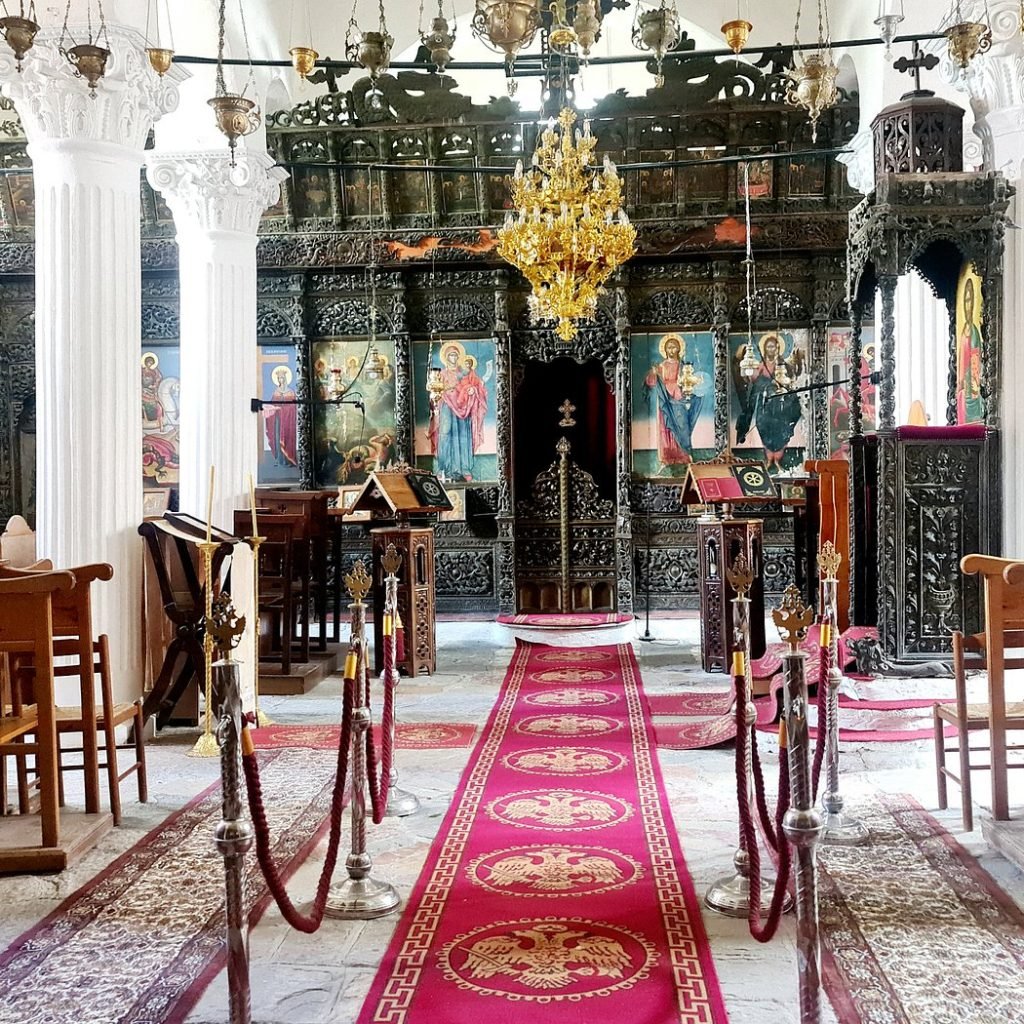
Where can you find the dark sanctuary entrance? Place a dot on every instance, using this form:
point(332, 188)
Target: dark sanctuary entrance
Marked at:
point(563, 458)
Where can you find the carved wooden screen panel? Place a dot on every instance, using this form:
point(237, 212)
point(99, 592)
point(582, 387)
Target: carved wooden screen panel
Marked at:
point(933, 512)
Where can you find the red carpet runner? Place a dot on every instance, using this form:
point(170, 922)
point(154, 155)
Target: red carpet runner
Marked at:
point(556, 890)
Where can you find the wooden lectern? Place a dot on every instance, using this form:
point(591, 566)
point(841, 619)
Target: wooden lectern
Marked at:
point(396, 497)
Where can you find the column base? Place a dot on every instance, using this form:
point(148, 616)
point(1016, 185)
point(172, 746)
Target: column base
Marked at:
point(362, 899)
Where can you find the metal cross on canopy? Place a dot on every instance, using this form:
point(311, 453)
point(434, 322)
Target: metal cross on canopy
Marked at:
point(567, 409)
point(916, 63)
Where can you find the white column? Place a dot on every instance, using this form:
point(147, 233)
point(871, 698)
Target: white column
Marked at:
point(217, 209)
point(86, 154)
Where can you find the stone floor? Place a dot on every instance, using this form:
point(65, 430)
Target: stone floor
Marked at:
point(302, 979)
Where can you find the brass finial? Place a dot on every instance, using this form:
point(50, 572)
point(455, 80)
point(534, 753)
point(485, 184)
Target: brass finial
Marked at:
point(226, 626)
point(391, 560)
point(563, 447)
point(358, 582)
point(792, 618)
point(741, 576)
point(829, 561)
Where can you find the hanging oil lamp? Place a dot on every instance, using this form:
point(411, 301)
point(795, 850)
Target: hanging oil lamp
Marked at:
point(689, 381)
point(890, 17)
point(968, 38)
point(737, 32)
point(561, 35)
point(750, 363)
point(371, 50)
point(812, 79)
point(20, 29)
point(160, 57)
point(440, 39)
point(587, 26)
point(89, 59)
point(506, 26)
point(304, 57)
point(656, 30)
point(236, 114)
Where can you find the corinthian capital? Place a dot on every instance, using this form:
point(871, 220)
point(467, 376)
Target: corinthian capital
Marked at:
point(206, 192)
point(54, 103)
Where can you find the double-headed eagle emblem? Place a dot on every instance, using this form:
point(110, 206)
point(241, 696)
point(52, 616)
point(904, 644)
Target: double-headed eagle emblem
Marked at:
point(546, 956)
point(560, 808)
point(555, 869)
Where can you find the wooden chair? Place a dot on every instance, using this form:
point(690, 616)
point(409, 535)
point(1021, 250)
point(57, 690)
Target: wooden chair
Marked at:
point(85, 657)
point(1003, 583)
point(969, 652)
point(281, 590)
point(26, 629)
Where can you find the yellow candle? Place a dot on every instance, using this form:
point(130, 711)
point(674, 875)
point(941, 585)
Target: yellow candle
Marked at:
point(252, 505)
point(209, 510)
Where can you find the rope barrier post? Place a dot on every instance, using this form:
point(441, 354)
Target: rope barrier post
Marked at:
point(730, 894)
point(802, 823)
point(360, 896)
point(233, 836)
point(400, 802)
point(841, 828)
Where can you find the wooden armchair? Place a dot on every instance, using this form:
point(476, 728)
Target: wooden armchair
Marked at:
point(26, 629)
point(85, 656)
point(1003, 581)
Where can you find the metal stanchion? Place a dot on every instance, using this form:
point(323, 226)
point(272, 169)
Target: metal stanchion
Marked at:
point(802, 823)
point(233, 835)
point(360, 895)
point(730, 895)
point(841, 827)
point(400, 802)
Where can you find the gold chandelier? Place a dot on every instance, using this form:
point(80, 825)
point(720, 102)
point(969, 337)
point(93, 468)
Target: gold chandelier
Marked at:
point(569, 232)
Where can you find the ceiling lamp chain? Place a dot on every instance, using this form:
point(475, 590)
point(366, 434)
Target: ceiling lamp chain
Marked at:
point(890, 17)
point(441, 37)
point(569, 231)
point(968, 38)
point(812, 84)
point(20, 29)
point(160, 56)
point(371, 50)
point(304, 56)
point(89, 59)
point(656, 30)
point(506, 26)
point(236, 114)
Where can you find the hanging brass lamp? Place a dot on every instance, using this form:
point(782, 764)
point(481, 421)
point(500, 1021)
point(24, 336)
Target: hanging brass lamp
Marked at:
point(161, 57)
point(656, 31)
point(968, 38)
point(812, 79)
point(441, 37)
point(506, 26)
point(20, 29)
point(236, 114)
point(89, 59)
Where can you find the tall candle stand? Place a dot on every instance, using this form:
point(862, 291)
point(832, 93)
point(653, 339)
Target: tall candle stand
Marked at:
point(730, 895)
point(802, 823)
point(360, 896)
point(206, 745)
point(841, 827)
point(400, 802)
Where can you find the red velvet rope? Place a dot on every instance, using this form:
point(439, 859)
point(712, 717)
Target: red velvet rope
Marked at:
point(378, 782)
point(746, 734)
point(824, 667)
point(250, 764)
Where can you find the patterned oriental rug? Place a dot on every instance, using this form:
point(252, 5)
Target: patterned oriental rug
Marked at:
point(154, 918)
point(914, 930)
point(556, 890)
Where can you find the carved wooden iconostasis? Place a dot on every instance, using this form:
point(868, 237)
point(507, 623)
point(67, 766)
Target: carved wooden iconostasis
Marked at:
point(446, 305)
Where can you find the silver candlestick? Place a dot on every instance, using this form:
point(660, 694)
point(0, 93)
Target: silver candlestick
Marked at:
point(360, 896)
point(233, 836)
point(802, 823)
point(841, 828)
point(400, 802)
point(730, 894)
